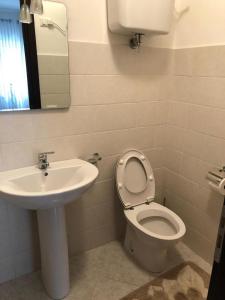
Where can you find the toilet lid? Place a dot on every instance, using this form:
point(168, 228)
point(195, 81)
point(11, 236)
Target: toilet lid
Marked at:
point(135, 179)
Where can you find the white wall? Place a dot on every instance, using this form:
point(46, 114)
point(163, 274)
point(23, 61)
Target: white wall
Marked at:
point(203, 25)
point(88, 23)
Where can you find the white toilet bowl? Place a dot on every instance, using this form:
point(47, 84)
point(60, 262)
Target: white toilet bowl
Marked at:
point(152, 229)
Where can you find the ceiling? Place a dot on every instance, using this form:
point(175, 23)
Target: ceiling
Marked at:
point(9, 4)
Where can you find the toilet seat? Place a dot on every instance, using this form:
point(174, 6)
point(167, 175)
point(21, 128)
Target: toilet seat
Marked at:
point(153, 211)
point(135, 179)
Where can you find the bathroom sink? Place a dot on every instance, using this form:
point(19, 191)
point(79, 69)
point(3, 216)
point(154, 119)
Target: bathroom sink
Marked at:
point(47, 191)
point(32, 188)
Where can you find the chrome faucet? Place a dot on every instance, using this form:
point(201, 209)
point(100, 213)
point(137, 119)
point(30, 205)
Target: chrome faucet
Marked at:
point(43, 163)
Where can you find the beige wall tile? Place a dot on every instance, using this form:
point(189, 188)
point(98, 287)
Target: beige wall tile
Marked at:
point(177, 114)
point(174, 137)
point(181, 89)
point(101, 89)
point(107, 168)
point(155, 157)
point(200, 245)
point(51, 124)
point(172, 159)
point(198, 106)
point(208, 61)
point(210, 202)
point(192, 142)
point(107, 84)
point(194, 218)
point(182, 62)
point(190, 166)
point(159, 136)
point(86, 218)
point(118, 59)
point(209, 91)
point(15, 127)
point(6, 269)
point(115, 142)
point(114, 117)
point(17, 155)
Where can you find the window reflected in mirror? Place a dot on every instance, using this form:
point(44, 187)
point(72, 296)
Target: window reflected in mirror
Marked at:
point(14, 93)
point(34, 59)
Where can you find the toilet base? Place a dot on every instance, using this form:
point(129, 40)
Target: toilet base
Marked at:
point(151, 256)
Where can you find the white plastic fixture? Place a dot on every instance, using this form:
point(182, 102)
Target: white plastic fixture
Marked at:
point(31, 189)
point(140, 16)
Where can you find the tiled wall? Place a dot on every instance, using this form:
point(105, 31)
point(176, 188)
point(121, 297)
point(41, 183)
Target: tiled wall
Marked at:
point(116, 105)
point(195, 142)
point(124, 99)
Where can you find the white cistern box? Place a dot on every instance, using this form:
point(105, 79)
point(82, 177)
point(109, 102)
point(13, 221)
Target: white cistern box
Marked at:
point(140, 16)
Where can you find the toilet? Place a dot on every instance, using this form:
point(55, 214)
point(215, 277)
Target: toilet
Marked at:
point(152, 229)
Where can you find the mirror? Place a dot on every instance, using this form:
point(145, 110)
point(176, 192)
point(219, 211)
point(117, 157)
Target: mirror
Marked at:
point(34, 62)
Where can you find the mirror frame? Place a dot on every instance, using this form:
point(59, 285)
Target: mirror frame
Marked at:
point(30, 47)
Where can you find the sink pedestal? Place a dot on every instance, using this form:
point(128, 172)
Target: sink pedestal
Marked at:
point(30, 189)
point(54, 251)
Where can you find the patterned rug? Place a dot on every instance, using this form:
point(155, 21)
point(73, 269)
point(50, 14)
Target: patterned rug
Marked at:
point(185, 282)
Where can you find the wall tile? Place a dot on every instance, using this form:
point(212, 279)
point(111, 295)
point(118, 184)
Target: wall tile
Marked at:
point(208, 61)
point(182, 62)
point(6, 269)
point(15, 127)
point(172, 159)
point(16, 155)
point(118, 59)
point(107, 85)
point(101, 89)
point(155, 157)
point(114, 117)
point(181, 89)
point(123, 99)
point(174, 137)
point(200, 244)
point(107, 167)
point(196, 113)
point(177, 114)
point(208, 91)
point(201, 222)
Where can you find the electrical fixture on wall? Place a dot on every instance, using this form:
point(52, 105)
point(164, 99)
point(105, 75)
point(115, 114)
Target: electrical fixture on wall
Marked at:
point(36, 7)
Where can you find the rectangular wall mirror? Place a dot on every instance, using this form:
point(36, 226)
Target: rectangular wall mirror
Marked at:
point(34, 74)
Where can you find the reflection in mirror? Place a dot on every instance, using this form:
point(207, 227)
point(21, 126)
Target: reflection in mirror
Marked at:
point(13, 72)
point(52, 51)
point(31, 54)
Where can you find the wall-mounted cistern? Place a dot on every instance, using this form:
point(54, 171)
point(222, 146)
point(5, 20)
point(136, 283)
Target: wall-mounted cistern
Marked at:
point(140, 17)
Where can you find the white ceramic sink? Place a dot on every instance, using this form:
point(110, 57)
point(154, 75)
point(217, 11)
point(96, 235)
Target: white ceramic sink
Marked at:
point(30, 188)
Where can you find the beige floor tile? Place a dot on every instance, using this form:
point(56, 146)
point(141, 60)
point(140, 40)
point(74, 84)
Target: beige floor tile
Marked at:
point(112, 290)
point(106, 272)
point(8, 292)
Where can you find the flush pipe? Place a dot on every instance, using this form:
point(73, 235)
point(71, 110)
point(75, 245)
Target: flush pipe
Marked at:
point(135, 41)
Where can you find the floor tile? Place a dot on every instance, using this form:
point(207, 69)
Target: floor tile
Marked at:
point(112, 290)
point(106, 272)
